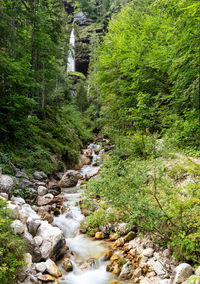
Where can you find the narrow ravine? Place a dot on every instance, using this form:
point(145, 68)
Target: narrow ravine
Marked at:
point(85, 254)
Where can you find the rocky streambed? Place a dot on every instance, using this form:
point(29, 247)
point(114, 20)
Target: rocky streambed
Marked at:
point(59, 253)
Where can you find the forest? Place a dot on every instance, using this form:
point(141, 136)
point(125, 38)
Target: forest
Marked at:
point(141, 92)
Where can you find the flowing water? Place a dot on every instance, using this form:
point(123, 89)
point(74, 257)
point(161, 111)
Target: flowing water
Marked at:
point(71, 56)
point(82, 248)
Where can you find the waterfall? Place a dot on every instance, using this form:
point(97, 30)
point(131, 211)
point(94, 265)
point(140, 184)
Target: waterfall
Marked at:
point(71, 56)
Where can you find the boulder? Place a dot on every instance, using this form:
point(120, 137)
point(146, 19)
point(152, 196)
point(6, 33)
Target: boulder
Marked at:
point(158, 267)
point(182, 272)
point(52, 268)
point(20, 173)
point(4, 195)
point(14, 209)
point(18, 227)
point(28, 259)
point(44, 200)
point(39, 175)
point(69, 179)
point(29, 212)
point(18, 200)
point(42, 190)
point(53, 244)
point(126, 271)
point(38, 240)
point(6, 185)
point(113, 237)
point(25, 183)
point(32, 247)
point(67, 264)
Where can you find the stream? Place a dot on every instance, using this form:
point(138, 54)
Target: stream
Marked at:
point(81, 248)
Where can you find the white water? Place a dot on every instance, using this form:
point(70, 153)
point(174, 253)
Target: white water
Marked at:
point(71, 56)
point(82, 247)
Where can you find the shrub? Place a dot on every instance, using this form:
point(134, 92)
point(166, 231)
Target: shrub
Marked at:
point(12, 248)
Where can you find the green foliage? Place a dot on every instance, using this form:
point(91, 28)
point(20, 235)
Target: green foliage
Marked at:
point(12, 248)
point(146, 70)
point(153, 190)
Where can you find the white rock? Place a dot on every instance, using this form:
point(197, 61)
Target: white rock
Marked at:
point(182, 272)
point(158, 267)
point(165, 281)
point(45, 199)
point(28, 260)
point(7, 184)
point(23, 217)
point(126, 271)
point(42, 190)
point(197, 271)
point(122, 228)
point(18, 200)
point(53, 240)
point(38, 240)
point(148, 252)
point(41, 266)
point(166, 253)
point(18, 227)
point(14, 208)
point(29, 212)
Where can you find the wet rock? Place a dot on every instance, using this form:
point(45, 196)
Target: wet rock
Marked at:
point(148, 252)
point(44, 200)
point(18, 227)
point(67, 264)
point(42, 190)
point(129, 237)
point(41, 267)
point(69, 179)
point(6, 185)
point(99, 235)
point(118, 243)
point(182, 272)
point(54, 189)
point(53, 244)
point(33, 226)
point(52, 268)
point(126, 271)
point(39, 175)
point(46, 277)
point(107, 255)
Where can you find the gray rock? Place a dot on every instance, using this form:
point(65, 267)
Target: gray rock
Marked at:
point(25, 183)
point(6, 185)
point(166, 253)
point(182, 272)
point(81, 19)
point(126, 271)
point(39, 175)
point(20, 173)
point(158, 267)
point(33, 226)
point(18, 227)
point(38, 240)
point(69, 179)
point(18, 200)
point(29, 212)
point(32, 248)
point(42, 190)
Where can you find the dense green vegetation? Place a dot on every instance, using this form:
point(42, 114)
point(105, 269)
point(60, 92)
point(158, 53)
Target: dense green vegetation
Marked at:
point(144, 78)
point(39, 122)
point(12, 247)
point(146, 71)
